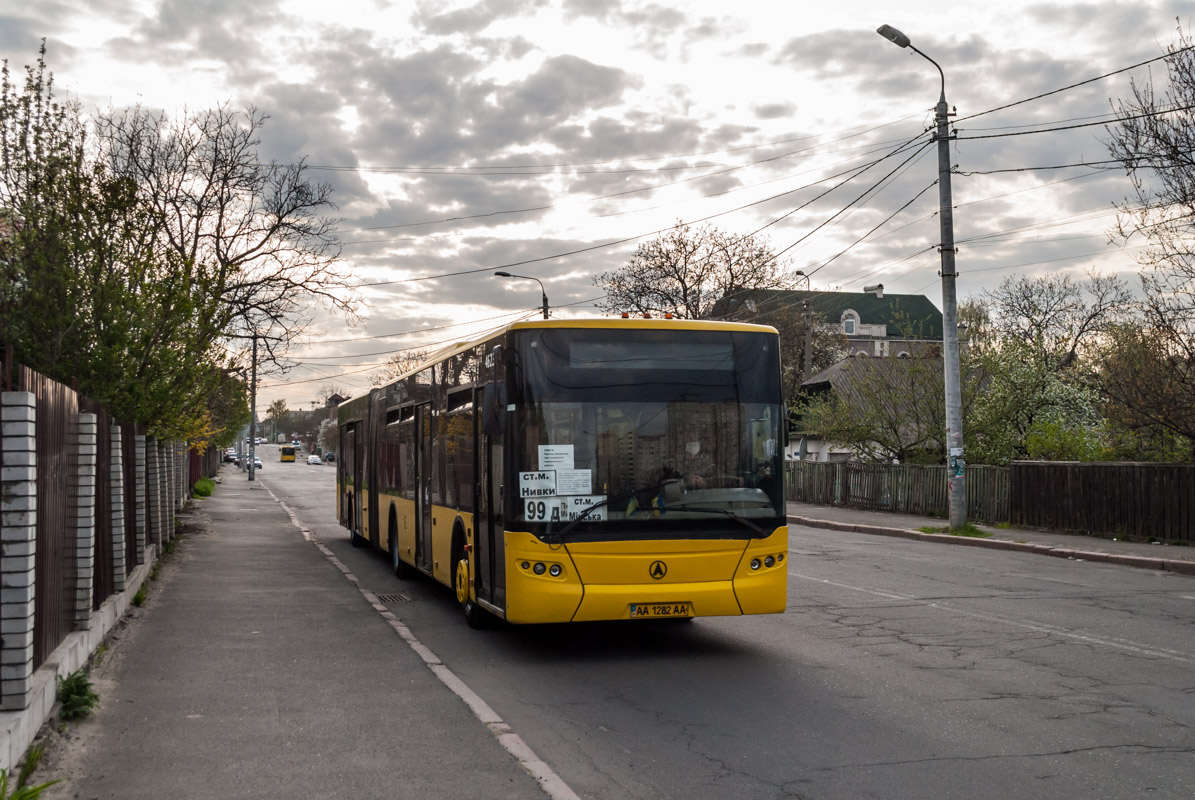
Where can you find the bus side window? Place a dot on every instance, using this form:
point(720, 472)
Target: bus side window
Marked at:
point(493, 405)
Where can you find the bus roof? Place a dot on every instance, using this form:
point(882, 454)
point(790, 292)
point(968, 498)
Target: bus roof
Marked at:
point(590, 323)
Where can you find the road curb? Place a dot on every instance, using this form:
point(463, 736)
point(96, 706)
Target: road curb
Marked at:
point(1179, 566)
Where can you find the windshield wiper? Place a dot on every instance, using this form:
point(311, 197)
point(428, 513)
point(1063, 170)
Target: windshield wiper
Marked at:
point(558, 536)
point(723, 511)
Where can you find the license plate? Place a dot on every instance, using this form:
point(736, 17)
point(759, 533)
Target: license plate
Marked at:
point(639, 610)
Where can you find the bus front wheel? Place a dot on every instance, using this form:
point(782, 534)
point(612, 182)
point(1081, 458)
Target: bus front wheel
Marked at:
point(475, 616)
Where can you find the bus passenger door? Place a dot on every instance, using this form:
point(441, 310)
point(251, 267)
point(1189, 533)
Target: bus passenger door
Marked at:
point(424, 433)
point(495, 471)
point(358, 479)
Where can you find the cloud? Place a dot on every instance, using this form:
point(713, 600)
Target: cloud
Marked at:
point(471, 20)
point(181, 31)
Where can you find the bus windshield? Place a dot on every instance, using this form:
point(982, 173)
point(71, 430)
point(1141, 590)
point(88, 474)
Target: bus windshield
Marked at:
point(646, 432)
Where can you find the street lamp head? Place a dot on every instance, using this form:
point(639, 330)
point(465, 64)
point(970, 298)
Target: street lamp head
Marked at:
point(893, 35)
point(504, 275)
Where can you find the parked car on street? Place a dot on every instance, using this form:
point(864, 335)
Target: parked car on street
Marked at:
point(256, 462)
point(329, 457)
point(314, 459)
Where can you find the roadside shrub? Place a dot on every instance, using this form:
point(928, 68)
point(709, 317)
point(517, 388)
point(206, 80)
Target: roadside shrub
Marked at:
point(76, 696)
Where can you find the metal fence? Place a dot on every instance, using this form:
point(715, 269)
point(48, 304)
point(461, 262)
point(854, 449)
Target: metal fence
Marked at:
point(75, 565)
point(56, 575)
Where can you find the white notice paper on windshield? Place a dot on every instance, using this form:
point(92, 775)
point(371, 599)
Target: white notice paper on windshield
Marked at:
point(574, 507)
point(555, 456)
point(573, 481)
point(537, 484)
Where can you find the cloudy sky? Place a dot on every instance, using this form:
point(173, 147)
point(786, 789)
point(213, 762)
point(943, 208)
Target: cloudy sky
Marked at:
point(466, 136)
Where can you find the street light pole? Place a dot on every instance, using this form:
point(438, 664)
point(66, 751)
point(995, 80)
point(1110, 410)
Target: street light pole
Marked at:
point(956, 470)
point(529, 278)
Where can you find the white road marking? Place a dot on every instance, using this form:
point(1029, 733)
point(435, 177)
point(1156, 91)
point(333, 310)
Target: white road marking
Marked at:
point(1121, 644)
point(552, 784)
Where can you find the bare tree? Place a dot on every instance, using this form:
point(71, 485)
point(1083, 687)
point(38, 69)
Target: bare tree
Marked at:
point(684, 272)
point(249, 233)
point(397, 364)
point(1155, 143)
point(1148, 381)
point(1054, 315)
point(327, 390)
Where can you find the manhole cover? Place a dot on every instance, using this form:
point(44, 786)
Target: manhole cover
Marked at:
point(393, 598)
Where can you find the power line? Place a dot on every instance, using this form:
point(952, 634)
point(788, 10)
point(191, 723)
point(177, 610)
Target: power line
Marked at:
point(844, 135)
point(1074, 85)
point(1073, 127)
point(604, 245)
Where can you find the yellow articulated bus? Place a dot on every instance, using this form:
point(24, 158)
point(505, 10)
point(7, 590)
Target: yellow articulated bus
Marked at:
point(579, 470)
point(288, 452)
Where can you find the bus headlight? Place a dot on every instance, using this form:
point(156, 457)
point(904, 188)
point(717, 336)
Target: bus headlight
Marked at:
point(539, 568)
point(769, 562)
point(555, 570)
point(755, 563)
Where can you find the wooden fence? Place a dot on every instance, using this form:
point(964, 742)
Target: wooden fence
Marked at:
point(1135, 500)
point(1145, 501)
point(903, 488)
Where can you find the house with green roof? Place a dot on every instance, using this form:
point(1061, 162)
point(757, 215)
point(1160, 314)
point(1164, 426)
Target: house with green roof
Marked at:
point(873, 323)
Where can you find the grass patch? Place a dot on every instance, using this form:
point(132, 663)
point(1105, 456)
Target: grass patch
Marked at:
point(76, 696)
point(967, 530)
point(169, 546)
point(139, 597)
point(203, 488)
point(22, 791)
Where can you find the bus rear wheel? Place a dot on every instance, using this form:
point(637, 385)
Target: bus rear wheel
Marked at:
point(402, 570)
point(475, 616)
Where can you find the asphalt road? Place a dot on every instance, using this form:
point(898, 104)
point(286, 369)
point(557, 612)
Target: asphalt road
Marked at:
point(901, 670)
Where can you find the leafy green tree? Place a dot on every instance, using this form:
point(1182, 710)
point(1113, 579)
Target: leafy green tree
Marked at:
point(1022, 406)
point(278, 414)
point(87, 299)
point(884, 409)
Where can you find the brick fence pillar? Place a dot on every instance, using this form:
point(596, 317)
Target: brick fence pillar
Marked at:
point(85, 522)
point(153, 497)
point(18, 540)
point(116, 471)
point(140, 514)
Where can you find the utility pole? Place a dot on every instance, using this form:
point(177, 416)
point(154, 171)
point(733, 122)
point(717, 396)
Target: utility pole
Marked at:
point(956, 469)
point(808, 370)
point(253, 409)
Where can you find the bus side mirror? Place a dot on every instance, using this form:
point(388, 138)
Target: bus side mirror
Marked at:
point(493, 409)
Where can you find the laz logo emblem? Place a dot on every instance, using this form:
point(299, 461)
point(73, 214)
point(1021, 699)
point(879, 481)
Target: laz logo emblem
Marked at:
point(658, 569)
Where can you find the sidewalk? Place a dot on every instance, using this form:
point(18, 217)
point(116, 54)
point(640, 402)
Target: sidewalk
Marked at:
point(256, 671)
point(1171, 558)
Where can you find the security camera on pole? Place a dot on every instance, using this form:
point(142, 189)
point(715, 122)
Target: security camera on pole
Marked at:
point(954, 401)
